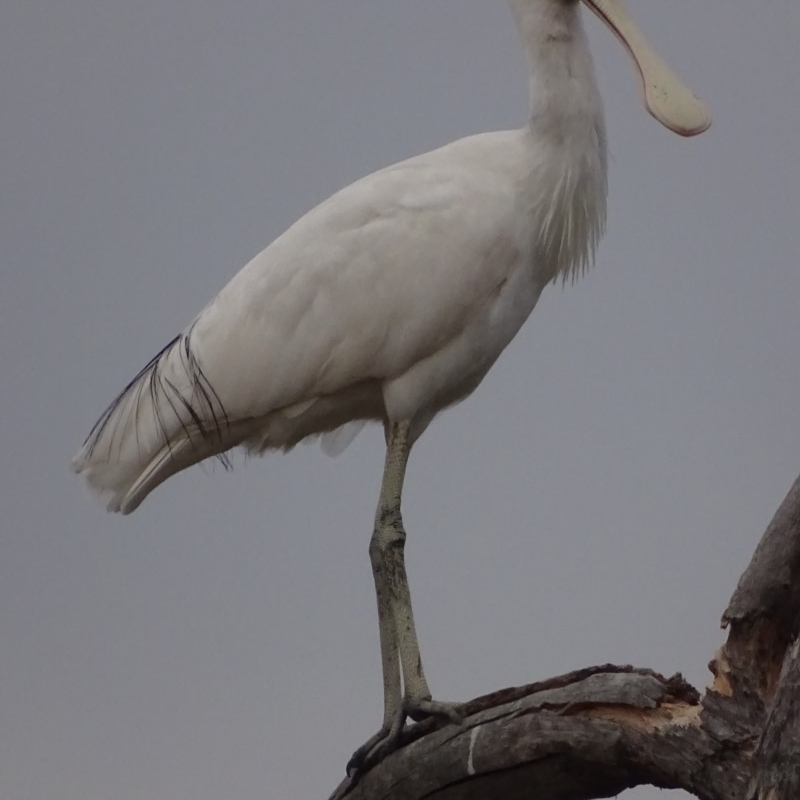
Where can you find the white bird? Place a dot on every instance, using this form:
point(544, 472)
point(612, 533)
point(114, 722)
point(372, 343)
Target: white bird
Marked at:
point(390, 301)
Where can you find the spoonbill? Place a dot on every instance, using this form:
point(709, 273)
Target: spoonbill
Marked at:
point(389, 302)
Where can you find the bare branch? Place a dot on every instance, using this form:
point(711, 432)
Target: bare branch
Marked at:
point(592, 733)
point(598, 731)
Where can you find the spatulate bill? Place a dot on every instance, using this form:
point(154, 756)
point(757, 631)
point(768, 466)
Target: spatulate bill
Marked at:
point(666, 97)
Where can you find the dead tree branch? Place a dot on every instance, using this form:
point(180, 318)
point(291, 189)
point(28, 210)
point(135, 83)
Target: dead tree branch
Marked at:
point(601, 730)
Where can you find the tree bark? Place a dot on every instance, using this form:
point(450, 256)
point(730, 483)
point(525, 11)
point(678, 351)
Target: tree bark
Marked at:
point(598, 731)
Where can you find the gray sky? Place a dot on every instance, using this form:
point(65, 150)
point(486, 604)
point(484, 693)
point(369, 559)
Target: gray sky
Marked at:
point(595, 500)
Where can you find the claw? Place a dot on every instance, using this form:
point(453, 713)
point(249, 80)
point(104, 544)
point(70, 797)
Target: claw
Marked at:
point(387, 739)
point(376, 748)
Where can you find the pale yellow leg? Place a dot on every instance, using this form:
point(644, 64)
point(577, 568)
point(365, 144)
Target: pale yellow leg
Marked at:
point(405, 688)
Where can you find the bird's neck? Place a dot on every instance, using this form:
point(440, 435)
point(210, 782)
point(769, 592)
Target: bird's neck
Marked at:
point(563, 89)
point(567, 131)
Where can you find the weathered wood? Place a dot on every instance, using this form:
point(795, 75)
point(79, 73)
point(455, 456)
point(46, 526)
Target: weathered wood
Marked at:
point(764, 611)
point(592, 733)
point(764, 651)
point(598, 731)
point(777, 760)
point(769, 587)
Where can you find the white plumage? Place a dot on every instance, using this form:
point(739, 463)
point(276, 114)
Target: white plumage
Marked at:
point(389, 302)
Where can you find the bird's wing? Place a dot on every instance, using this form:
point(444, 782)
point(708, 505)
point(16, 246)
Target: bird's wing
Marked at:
point(368, 283)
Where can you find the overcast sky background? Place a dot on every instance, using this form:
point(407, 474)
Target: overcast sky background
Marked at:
point(595, 500)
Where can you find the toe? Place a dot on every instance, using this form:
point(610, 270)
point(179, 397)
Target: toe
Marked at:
point(433, 708)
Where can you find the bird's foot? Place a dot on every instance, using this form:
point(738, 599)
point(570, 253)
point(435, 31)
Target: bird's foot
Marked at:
point(387, 739)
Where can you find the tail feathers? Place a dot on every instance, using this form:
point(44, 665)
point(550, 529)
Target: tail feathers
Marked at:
point(124, 486)
point(167, 418)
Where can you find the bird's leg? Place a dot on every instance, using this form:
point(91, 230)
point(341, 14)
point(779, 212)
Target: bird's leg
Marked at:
point(390, 557)
point(399, 645)
point(392, 679)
